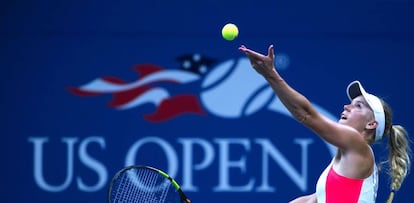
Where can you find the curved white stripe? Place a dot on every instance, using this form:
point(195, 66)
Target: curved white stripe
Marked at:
point(155, 96)
point(100, 85)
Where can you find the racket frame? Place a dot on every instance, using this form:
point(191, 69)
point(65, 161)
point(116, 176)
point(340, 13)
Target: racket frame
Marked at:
point(183, 197)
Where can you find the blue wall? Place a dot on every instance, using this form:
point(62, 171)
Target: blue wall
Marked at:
point(229, 139)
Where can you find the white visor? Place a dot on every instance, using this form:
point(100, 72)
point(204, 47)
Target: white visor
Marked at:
point(355, 89)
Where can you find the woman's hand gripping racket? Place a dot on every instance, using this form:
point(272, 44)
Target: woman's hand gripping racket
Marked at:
point(144, 184)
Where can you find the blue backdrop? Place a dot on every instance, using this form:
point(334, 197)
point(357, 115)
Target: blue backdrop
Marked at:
point(92, 86)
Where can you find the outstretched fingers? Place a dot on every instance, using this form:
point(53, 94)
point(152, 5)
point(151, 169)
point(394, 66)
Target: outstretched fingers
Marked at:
point(256, 55)
point(264, 64)
point(249, 52)
point(271, 52)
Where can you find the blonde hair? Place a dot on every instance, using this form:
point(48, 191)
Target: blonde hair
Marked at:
point(399, 159)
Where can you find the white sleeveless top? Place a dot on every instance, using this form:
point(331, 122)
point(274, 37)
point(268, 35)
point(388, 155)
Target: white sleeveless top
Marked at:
point(335, 188)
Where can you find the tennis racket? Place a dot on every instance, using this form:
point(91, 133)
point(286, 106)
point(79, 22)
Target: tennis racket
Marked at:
point(144, 184)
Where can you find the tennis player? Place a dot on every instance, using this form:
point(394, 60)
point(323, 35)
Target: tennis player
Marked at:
point(352, 175)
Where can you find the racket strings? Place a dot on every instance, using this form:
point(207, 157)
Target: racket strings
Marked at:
point(150, 180)
point(125, 190)
point(143, 186)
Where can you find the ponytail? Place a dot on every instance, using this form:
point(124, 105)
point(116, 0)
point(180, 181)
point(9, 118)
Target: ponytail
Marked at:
point(391, 197)
point(399, 158)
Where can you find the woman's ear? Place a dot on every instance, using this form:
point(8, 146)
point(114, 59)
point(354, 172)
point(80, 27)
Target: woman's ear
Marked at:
point(372, 125)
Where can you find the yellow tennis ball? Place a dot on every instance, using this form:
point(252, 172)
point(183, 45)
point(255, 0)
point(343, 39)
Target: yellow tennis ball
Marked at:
point(230, 31)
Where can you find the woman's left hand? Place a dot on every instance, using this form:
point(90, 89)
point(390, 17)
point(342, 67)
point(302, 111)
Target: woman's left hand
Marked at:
point(261, 63)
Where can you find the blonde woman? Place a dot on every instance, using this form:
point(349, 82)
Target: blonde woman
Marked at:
point(352, 175)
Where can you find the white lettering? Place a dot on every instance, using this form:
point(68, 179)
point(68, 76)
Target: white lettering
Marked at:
point(231, 162)
point(225, 164)
point(165, 146)
point(269, 150)
point(38, 164)
point(188, 143)
point(93, 164)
